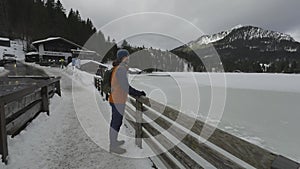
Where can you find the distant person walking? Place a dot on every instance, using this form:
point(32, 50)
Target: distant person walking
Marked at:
point(62, 63)
point(73, 63)
point(120, 89)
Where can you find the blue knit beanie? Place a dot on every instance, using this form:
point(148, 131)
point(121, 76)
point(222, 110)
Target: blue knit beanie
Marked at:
point(122, 53)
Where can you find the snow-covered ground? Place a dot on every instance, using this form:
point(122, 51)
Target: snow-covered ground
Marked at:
point(60, 141)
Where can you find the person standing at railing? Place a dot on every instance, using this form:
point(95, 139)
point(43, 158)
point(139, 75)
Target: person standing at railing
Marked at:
point(120, 89)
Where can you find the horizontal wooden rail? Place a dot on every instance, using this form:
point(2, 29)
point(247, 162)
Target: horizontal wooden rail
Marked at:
point(210, 155)
point(19, 107)
point(237, 147)
point(25, 91)
point(166, 160)
point(250, 153)
point(16, 125)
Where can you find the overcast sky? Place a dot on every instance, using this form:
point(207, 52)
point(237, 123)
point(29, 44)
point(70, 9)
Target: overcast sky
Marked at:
point(169, 23)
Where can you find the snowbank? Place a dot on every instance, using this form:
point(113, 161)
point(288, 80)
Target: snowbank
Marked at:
point(3, 71)
point(82, 62)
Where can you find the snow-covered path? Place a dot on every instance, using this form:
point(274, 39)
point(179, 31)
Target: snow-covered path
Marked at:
point(59, 141)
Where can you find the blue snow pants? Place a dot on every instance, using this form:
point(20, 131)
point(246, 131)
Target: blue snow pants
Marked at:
point(116, 122)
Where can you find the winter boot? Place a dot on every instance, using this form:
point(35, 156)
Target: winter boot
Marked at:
point(119, 143)
point(117, 150)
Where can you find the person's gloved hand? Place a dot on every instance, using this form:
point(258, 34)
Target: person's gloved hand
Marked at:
point(142, 93)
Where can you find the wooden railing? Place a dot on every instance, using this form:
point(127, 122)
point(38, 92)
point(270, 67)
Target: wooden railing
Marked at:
point(245, 153)
point(98, 85)
point(221, 150)
point(17, 108)
point(97, 82)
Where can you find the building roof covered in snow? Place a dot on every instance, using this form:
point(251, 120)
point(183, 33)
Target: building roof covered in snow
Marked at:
point(4, 39)
point(50, 39)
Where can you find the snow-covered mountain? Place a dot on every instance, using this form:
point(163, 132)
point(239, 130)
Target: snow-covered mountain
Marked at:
point(251, 32)
point(244, 48)
point(240, 32)
point(206, 39)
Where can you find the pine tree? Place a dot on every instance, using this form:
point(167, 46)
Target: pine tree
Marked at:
point(39, 19)
point(59, 7)
point(124, 44)
point(50, 4)
point(293, 66)
point(4, 27)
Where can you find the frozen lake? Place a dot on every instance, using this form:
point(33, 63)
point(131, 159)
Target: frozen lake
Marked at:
point(261, 108)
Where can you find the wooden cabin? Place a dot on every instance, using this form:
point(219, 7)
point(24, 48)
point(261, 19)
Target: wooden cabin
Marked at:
point(53, 49)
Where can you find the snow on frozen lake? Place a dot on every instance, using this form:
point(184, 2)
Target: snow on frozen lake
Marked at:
point(261, 108)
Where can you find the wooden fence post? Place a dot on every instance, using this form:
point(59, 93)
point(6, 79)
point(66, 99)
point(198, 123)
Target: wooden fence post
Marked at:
point(99, 84)
point(101, 87)
point(138, 124)
point(57, 86)
point(96, 82)
point(45, 100)
point(3, 134)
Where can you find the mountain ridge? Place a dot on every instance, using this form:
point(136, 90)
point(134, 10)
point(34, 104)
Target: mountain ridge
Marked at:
point(243, 48)
point(252, 32)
